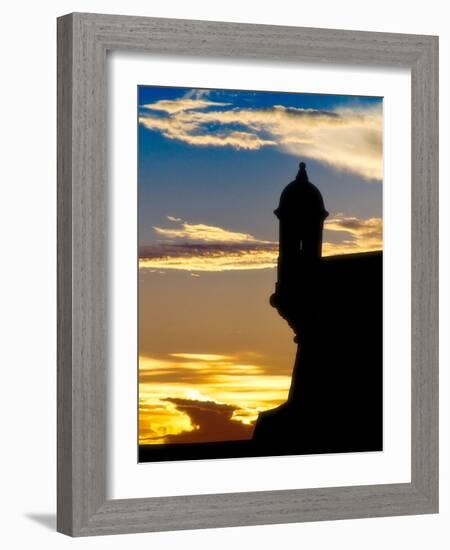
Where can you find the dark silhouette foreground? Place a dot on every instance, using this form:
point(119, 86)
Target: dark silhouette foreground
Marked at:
point(335, 400)
point(334, 308)
point(301, 214)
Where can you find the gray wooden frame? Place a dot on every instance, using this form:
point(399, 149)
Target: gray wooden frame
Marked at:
point(83, 40)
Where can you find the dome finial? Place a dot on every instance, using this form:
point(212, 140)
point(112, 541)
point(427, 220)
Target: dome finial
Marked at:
point(302, 176)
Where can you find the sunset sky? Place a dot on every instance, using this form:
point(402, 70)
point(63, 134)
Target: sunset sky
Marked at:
point(212, 165)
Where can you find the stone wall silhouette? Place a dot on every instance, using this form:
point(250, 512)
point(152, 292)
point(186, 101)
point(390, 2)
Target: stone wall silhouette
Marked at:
point(335, 401)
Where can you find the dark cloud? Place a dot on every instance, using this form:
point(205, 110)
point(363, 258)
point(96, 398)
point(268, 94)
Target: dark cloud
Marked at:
point(351, 223)
point(211, 256)
point(212, 422)
point(305, 113)
point(168, 250)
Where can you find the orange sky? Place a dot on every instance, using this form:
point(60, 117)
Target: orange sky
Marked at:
point(212, 397)
point(213, 353)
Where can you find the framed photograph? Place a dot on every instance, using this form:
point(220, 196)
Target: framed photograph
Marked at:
point(247, 274)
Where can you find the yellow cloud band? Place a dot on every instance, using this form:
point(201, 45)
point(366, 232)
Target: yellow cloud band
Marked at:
point(219, 249)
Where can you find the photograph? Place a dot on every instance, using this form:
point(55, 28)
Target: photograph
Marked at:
point(260, 273)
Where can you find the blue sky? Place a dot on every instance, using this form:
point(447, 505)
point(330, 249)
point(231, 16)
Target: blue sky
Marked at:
point(235, 187)
point(245, 98)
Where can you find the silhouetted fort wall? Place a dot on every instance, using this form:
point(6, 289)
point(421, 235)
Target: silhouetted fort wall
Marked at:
point(335, 403)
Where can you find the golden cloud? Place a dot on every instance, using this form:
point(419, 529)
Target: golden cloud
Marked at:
point(201, 356)
point(184, 131)
point(225, 391)
point(204, 233)
point(365, 234)
point(211, 258)
point(214, 249)
point(183, 104)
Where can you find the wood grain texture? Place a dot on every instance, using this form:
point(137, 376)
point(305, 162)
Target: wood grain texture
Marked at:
point(64, 299)
point(83, 40)
point(424, 277)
